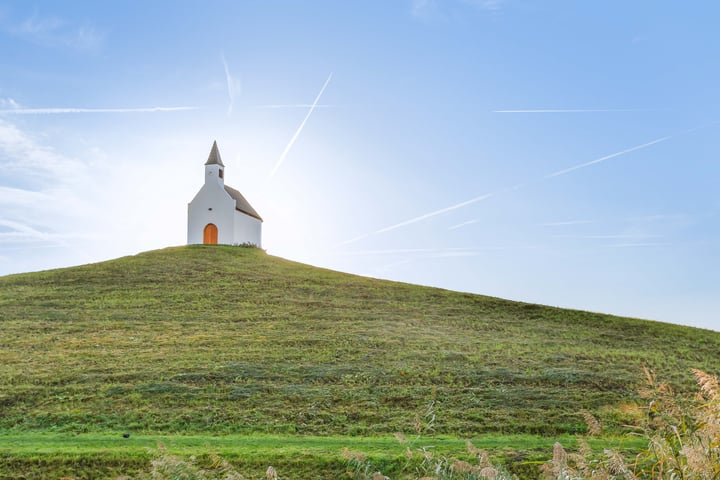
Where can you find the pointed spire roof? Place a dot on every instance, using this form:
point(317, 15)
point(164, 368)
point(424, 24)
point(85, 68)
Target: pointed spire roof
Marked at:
point(214, 158)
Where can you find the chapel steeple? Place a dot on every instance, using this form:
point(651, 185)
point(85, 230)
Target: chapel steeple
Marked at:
point(214, 157)
point(214, 167)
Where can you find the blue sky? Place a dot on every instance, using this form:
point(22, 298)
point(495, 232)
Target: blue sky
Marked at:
point(558, 152)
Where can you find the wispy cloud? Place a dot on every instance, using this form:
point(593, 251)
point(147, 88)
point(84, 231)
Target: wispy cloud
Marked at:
point(583, 110)
point(46, 177)
point(436, 9)
point(492, 5)
point(613, 236)
point(18, 232)
point(18, 228)
point(63, 110)
point(45, 196)
point(389, 266)
point(292, 105)
point(8, 103)
point(234, 86)
point(302, 125)
point(566, 223)
point(388, 251)
point(55, 32)
point(638, 245)
point(423, 8)
point(20, 154)
point(431, 252)
point(658, 217)
point(463, 224)
point(558, 173)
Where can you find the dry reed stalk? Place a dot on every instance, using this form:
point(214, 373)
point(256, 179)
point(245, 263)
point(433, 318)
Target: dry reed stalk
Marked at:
point(271, 474)
point(593, 424)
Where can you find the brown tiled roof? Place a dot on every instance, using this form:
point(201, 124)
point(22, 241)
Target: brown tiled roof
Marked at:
point(241, 204)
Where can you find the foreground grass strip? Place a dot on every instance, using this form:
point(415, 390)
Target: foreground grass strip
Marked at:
point(48, 443)
point(109, 455)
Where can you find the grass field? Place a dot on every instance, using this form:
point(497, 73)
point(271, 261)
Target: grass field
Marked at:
point(214, 341)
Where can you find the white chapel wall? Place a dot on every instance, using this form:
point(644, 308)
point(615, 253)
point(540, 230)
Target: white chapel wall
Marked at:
point(211, 196)
point(247, 229)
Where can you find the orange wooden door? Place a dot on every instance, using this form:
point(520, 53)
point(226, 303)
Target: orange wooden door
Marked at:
point(210, 234)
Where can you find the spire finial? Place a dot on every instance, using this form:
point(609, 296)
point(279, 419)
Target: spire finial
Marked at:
point(214, 157)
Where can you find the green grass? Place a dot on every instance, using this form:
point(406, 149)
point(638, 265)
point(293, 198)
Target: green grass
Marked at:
point(104, 455)
point(231, 341)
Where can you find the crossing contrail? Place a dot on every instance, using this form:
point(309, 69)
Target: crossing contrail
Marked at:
point(456, 206)
point(606, 157)
point(434, 213)
point(297, 132)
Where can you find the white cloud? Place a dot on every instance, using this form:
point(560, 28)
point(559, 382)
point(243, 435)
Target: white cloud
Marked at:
point(54, 32)
point(423, 8)
point(435, 9)
point(8, 103)
point(566, 223)
point(43, 194)
point(486, 4)
point(21, 156)
point(463, 224)
point(234, 86)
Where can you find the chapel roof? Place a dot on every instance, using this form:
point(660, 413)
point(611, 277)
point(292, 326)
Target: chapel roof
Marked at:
point(241, 204)
point(214, 157)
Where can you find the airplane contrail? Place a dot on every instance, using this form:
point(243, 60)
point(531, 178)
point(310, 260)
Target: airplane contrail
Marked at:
point(297, 132)
point(515, 187)
point(606, 157)
point(50, 111)
point(291, 105)
point(434, 213)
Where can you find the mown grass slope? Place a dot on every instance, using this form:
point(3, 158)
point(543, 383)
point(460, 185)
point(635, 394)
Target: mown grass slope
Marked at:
point(220, 340)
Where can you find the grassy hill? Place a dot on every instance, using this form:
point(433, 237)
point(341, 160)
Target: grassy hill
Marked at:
point(226, 340)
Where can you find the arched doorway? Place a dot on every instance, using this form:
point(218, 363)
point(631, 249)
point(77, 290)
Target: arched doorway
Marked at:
point(210, 234)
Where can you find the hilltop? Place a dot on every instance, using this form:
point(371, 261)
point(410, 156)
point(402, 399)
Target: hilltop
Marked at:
point(220, 340)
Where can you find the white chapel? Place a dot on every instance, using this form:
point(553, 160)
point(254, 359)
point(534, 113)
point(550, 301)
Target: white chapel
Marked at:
point(219, 214)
